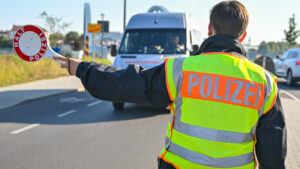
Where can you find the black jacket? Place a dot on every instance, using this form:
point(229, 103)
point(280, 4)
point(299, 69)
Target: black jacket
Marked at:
point(148, 87)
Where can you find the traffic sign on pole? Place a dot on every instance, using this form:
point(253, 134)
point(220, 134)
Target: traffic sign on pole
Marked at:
point(94, 28)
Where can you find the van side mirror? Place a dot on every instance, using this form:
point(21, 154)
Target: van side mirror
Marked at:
point(113, 50)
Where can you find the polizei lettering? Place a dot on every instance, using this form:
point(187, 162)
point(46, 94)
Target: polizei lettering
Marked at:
point(18, 34)
point(42, 49)
point(222, 89)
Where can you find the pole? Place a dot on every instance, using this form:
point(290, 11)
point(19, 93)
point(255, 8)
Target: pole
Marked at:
point(102, 28)
point(94, 54)
point(124, 19)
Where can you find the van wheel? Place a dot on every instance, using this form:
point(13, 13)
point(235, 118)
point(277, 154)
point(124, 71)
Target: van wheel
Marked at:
point(289, 79)
point(118, 106)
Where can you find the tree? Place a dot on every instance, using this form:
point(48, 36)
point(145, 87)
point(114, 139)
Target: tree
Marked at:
point(77, 45)
point(272, 49)
point(3, 38)
point(53, 23)
point(283, 46)
point(262, 48)
point(71, 37)
point(55, 37)
point(291, 34)
point(5, 43)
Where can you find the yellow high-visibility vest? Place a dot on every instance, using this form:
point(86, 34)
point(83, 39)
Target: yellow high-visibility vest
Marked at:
point(217, 100)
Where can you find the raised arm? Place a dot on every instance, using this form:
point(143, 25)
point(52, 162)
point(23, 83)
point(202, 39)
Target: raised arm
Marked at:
point(133, 84)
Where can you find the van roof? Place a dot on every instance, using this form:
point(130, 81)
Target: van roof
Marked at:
point(157, 20)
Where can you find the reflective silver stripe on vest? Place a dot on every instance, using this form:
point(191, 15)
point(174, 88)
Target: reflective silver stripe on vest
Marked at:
point(211, 134)
point(268, 90)
point(202, 159)
point(177, 73)
point(178, 79)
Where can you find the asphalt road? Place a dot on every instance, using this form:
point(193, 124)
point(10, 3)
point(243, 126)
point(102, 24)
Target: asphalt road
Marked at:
point(292, 92)
point(76, 131)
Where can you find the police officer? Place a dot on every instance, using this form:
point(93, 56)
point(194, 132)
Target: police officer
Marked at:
point(225, 110)
point(265, 62)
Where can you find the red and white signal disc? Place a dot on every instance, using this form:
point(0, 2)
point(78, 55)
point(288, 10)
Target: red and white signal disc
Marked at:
point(30, 43)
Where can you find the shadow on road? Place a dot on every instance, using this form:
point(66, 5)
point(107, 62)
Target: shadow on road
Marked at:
point(46, 111)
point(17, 97)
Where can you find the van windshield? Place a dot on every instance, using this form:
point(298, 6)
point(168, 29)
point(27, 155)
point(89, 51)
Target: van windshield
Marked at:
point(153, 41)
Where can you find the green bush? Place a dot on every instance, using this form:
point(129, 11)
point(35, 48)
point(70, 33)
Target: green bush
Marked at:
point(97, 60)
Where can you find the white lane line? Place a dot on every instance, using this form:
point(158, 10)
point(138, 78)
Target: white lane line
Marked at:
point(289, 94)
point(24, 128)
point(94, 103)
point(66, 113)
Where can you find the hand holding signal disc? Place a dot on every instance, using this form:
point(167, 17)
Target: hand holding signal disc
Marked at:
point(31, 44)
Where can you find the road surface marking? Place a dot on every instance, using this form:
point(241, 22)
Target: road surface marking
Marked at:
point(289, 94)
point(24, 129)
point(66, 113)
point(94, 103)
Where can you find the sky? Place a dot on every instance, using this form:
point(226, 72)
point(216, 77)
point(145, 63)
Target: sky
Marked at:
point(268, 18)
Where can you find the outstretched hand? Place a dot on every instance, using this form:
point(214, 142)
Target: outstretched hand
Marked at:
point(70, 64)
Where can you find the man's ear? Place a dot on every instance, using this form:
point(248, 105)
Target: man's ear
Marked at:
point(210, 30)
point(243, 37)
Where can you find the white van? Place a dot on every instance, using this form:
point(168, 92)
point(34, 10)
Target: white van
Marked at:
point(151, 37)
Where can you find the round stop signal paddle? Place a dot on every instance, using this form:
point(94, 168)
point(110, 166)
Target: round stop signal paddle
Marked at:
point(31, 44)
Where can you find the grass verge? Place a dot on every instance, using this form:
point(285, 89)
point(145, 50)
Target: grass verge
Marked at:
point(13, 70)
point(97, 60)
